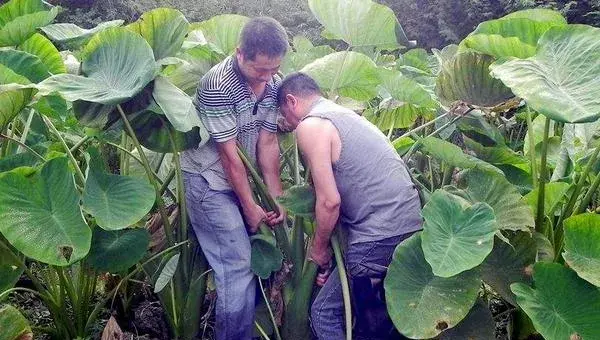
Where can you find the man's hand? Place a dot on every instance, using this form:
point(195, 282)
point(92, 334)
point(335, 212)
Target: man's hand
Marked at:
point(322, 257)
point(322, 276)
point(274, 218)
point(254, 215)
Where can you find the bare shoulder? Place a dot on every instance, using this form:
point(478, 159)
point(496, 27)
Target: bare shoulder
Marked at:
point(314, 127)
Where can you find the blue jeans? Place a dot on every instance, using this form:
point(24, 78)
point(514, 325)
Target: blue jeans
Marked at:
point(367, 259)
point(219, 226)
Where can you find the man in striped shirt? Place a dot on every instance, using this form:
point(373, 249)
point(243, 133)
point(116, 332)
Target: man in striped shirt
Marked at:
point(236, 101)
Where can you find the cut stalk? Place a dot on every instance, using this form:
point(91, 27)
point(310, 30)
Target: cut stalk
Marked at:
point(269, 202)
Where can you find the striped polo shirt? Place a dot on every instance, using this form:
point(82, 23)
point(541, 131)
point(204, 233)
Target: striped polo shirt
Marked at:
point(229, 109)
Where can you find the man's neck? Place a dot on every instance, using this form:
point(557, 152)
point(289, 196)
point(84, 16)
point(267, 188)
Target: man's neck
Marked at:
point(311, 102)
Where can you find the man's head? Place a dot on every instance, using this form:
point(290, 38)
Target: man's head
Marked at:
point(263, 45)
point(295, 97)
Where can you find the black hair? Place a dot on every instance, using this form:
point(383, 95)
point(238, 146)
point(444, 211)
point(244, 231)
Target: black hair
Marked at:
point(263, 35)
point(298, 84)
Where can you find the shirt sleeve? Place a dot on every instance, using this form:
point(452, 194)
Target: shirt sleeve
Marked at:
point(216, 113)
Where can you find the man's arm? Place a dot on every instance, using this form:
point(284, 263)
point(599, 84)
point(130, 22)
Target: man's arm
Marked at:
point(218, 116)
point(314, 140)
point(268, 161)
point(238, 178)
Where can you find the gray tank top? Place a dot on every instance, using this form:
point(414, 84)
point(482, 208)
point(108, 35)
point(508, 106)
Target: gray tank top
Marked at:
point(378, 198)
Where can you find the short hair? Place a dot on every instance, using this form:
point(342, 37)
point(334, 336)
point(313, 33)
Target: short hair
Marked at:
point(298, 84)
point(263, 35)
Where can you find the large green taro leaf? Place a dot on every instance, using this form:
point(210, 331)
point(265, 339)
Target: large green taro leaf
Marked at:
point(421, 304)
point(477, 325)
point(304, 53)
point(454, 156)
point(509, 263)
point(561, 81)
point(40, 214)
point(456, 238)
point(510, 211)
point(467, 78)
point(24, 64)
point(117, 64)
point(562, 305)
point(360, 23)
point(299, 200)
point(43, 48)
point(407, 101)
point(13, 9)
point(177, 106)
point(191, 65)
point(115, 201)
point(164, 29)
point(554, 193)
point(12, 99)
point(13, 324)
point(351, 74)
point(10, 270)
point(266, 257)
point(156, 133)
point(19, 19)
point(222, 32)
point(151, 125)
point(495, 154)
point(74, 36)
point(515, 35)
point(582, 246)
point(117, 250)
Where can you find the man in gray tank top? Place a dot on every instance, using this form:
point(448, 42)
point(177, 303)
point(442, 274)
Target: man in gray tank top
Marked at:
point(360, 180)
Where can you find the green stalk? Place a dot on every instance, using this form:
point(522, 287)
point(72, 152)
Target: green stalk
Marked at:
point(26, 129)
point(420, 127)
point(164, 185)
point(20, 263)
point(568, 210)
point(4, 148)
point(174, 307)
point(296, 314)
point(107, 297)
point(123, 156)
point(431, 173)
point(183, 218)
point(269, 202)
point(298, 244)
point(588, 196)
point(539, 220)
point(335, 244)
point(23, 145)
point(413, 148)
point(532, 161)
point(80, 143)
point(448, 171)
point(52, 128)
point(262, 332)
point(275, 327)
point(149, 172)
